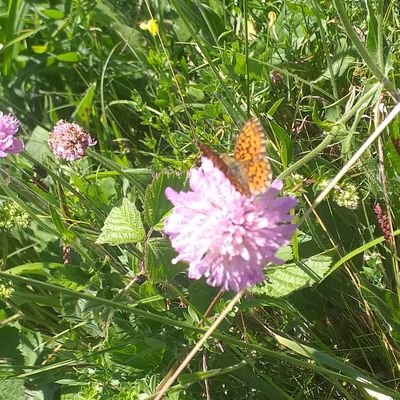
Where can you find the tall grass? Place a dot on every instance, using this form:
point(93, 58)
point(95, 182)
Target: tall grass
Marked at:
point(118, 318)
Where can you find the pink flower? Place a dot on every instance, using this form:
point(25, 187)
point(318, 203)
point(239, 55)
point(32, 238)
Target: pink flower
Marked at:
point(225, 236)
point(69, 141)
point(9, 126)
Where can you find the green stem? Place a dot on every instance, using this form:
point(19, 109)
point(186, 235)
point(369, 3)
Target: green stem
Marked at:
point(308, 157)
point(374, 68)
point(4, 243)
point(246, 52)
point(381, 60)
point(63, 203)
point(331, 136)
point(162, 390)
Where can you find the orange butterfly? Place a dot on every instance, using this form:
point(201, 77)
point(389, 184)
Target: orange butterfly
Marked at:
point(248, 170)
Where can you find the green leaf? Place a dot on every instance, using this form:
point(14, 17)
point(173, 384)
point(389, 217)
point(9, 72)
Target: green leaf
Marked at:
point(286, 279)
point(9, 344)
point(386, 305)
point(158, 258)
point(240, 64)
point(83, 110)
point(71, 56)
point(271, 111)
point(285, 253)
point(123, 225)
point(37, 145)
point(37, 268)
point(156, 205)
point(285, 143)
point(392, 160)
point(372, 36)
point(12, 388)
point(96, 195)
point(59, 225)
point(196, 93)
point(39, 49)
point(53, 13)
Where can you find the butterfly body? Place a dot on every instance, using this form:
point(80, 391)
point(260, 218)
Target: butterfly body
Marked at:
point(237, 170)
point(249, 170)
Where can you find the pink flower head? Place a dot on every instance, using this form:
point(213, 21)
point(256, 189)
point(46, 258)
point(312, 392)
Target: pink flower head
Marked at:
point(9, 126)
point(225, 236)
point(69, 141)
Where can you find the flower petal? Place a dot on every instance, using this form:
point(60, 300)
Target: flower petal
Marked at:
point(225, 236)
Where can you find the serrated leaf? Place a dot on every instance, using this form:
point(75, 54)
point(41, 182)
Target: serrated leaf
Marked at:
point(158, 256)
point(123, 225)
point(156, 205)
point(12, 388)
point(285, 253)
point(286, 279)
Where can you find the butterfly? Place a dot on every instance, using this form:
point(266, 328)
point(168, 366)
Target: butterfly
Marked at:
point(249, 171)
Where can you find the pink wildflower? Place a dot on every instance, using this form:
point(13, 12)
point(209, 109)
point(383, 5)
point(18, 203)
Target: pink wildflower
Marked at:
point(69, 141)
point(225, 236)
point(9, 126)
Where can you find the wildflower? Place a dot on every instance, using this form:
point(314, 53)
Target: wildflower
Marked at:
point(251, 30)
point(69, 141)
point(275, 77)
point(6, 290)
point(66, 254)
point(346, 196)
point(271, 23)
point(151, 26)
point(383, 221)
point(321, 184)
point(12, 215)
point(225, 236)
point(271, 19)
point(9, 126)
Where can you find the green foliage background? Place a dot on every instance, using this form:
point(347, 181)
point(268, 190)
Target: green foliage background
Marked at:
point(113, 322)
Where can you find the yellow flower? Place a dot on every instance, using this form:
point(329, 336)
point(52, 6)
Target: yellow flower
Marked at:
point(251, 30)
point(151, 26)
point(271, 23)
point(271, 19)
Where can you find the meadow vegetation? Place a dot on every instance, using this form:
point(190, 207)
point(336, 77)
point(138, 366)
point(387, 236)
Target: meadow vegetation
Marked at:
point(91, 305)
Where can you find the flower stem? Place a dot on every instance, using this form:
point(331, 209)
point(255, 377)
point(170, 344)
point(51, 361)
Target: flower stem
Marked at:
point(161, 391)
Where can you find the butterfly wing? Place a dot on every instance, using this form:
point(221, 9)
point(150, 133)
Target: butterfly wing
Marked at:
point(250, 154)
point(214, 157)
point(224, 164)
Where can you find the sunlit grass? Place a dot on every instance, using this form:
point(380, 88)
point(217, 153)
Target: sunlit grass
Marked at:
point(118, 318)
